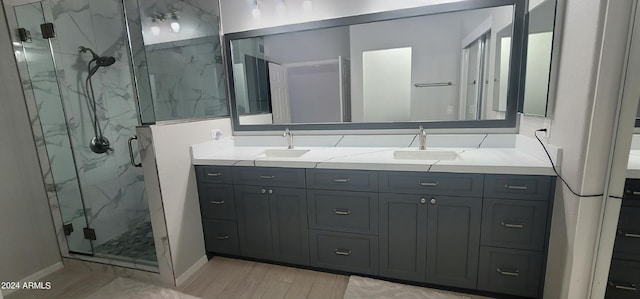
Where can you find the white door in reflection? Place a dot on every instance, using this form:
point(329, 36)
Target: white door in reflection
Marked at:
point(279, 85)
point(387, 84)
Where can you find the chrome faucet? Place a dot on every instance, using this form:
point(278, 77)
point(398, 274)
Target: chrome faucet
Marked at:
point(422, 134)
point(287, 134)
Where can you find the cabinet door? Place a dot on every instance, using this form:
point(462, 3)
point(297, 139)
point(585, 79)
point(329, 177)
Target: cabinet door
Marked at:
point(254, 222)
point(290, 228)
point(403, 236)
point(453, 242)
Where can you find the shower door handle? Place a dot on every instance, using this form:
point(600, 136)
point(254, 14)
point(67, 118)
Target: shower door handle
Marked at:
point(131, 157)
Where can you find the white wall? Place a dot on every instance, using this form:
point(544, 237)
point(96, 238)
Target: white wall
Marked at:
point(178, 186)
point(307, 45)
point(435, 58)
point(588, 84)
point(27, 238)
point(236, 15)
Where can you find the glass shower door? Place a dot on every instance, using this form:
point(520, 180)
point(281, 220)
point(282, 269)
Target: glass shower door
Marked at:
point(101, 196)
point(42, 87)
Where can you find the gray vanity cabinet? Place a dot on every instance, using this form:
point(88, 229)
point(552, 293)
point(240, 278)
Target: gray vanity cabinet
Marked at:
point(453, 240)
point(433, 234)
point(272, 223)
point(217, 207)
point(403, 236)
point(473, 231)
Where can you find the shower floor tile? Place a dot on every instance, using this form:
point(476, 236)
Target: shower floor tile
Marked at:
point(135, 244)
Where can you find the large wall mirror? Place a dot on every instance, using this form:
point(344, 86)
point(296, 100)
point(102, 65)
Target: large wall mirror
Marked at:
point(454, 65)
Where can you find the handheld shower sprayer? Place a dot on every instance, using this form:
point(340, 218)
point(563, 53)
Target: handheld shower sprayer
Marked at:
point(98, 144)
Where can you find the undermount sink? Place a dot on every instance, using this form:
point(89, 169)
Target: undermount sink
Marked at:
point(284, 153)
point(415, 154)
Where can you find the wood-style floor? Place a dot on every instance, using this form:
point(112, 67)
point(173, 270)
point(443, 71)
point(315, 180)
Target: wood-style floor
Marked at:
point(219, 278)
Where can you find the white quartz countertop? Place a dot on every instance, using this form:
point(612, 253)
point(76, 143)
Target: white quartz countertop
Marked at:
point(491, 155)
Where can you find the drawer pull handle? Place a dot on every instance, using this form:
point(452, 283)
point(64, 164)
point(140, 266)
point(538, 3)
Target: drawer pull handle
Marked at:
point(267, 177)
point(512, 225)
point(633, 192)
point(217, 202)
point(342, 180)
point(516, 187)
point(222, 237)
point(341, 212)
point(627, 287)
point(216, 174)
point(515, 273)
point(344, 252)
point(629, 235)
point(428, 184)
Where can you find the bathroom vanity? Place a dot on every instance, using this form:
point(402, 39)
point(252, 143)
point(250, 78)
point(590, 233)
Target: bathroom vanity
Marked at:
point(477, 230)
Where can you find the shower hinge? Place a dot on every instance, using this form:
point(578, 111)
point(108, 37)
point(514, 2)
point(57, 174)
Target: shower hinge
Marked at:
point(25, 35)
point(89, 233)
point(68, 229)
point(47, 30)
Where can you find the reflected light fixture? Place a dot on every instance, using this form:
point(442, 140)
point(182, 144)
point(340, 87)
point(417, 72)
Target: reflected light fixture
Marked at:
point(307, 5)
point(155, 29)
point(255, 12)
point(281, 7)
point(175, 24)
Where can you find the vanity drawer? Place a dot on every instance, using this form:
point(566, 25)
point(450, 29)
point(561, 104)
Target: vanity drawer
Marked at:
point(468, 185)
point(346, 211)
point(627, 244)
point(510, 271)
point(632, 191)
point(343, 251)
point(269, 176)
point(510, 223)
point(216, 201)
point(624, 280)
point(349, 180)
point(213, 174)
point(221, 236)
point(530, 187)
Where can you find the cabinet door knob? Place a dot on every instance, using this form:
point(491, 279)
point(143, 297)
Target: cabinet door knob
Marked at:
point(423, 200)
point(263, 191)
point(270, 191)
point(433, 201)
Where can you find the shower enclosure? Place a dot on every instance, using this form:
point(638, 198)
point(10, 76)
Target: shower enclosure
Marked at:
point(97, 197)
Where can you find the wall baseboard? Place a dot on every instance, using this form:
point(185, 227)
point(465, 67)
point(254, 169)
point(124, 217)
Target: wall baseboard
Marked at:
point(36, 276)
point(184, 277)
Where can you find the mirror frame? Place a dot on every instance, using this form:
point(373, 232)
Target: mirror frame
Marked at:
point(517, 57)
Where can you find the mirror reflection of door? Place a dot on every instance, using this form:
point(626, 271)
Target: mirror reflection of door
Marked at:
point(387, 75)
point(279, 93)
point(475, 74)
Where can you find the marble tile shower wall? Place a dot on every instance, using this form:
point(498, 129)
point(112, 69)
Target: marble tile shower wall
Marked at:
point(188, 77)
point(112, 188)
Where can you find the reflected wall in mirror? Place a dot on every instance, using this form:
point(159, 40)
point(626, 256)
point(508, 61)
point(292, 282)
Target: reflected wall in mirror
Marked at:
point(177, 59)
point(539, 52)
point(418, 69)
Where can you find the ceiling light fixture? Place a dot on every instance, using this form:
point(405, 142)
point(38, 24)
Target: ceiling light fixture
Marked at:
point(255, 12)
point(307, 5)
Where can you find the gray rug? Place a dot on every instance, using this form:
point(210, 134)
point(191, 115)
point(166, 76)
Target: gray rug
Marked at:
point(367, 288)
point(122, 288)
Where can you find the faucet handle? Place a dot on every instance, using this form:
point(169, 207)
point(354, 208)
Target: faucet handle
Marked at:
point(287, 132)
